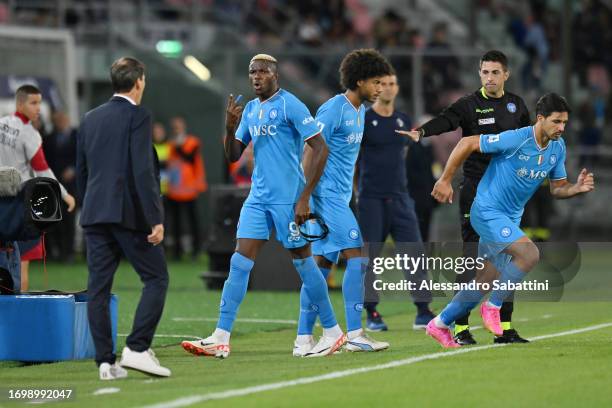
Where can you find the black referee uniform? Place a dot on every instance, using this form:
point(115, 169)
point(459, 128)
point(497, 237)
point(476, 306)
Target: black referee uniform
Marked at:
point(477, 113)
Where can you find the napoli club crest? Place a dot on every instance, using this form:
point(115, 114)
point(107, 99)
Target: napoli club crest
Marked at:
point(511, 107)
point(505, 232)
point(374, 122)
point(273, 114)
point(354, 234)
point(553, 159)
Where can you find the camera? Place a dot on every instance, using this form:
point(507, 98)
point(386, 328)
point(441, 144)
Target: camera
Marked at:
point(26, 210)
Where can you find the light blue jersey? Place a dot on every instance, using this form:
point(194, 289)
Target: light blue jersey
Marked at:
point(278, 128)
point(343, 130)
point(517, 169)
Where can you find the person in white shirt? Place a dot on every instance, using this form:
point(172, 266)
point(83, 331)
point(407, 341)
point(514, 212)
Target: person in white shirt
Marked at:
point(21, 148)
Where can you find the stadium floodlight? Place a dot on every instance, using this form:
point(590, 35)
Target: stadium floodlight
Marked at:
point(169, 48)
point(194, 65)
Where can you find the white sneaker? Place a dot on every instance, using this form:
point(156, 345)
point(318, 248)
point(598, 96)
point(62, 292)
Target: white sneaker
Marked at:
point(327, 346)
point(363, 342)
point(144, 361)
point(209, 346)
point(112, 372)
point(300, 349)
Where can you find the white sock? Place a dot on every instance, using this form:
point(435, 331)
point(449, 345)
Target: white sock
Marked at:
point(223, 336)
point(353, 334)
point(439, 323)
point(335, 331)
point(492, 305)
point(303, 339)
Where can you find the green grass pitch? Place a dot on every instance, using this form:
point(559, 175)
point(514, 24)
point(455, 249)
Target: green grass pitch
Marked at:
point(570, 370)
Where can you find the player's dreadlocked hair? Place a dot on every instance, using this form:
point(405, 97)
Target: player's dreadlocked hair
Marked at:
point(363, 64)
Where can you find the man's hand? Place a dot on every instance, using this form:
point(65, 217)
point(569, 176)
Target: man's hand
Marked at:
point(233, 113)
point(70, 202)
point(585, 182)
point(443, 192)
point(415, 135)
point(157, 234)
point(302, 210)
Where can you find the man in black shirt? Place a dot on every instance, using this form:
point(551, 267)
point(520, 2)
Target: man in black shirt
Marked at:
point(384, 204)
point(489, 110)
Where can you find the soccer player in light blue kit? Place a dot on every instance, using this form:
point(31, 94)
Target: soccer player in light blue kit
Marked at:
point(278, 124)
point(522, 160)
point(342, 119)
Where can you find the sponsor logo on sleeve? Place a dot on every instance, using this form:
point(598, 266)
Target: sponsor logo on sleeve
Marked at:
point(493, 138)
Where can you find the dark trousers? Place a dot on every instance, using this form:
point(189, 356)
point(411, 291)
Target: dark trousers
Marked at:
point(188, 208)
point(60, 240)
point(379, 217)
point(467, 193)
point(105, 245)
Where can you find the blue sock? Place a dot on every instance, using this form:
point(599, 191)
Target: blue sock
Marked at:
point(308, 316)
point(316, 288)
point(462, 303)
point(352, 291)
point(234, 289)
point(509, 273)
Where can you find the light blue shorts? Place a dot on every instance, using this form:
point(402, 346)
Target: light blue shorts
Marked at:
point(496, 229)
point(257, 220)
point(344, 230)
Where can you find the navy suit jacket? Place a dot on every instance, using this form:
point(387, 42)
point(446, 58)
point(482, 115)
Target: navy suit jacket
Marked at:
point(117, 167)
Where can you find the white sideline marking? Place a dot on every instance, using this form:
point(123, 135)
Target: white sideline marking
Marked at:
point(244, 320)
point(103, 391)
point(194, 399)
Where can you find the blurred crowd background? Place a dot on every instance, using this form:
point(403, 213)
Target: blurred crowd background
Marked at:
point(197, 52)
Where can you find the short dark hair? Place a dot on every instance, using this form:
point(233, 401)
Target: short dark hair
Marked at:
point(551, 102)
point(22, 93)
point(125, 72)
point(363, 64)
point(495, 56)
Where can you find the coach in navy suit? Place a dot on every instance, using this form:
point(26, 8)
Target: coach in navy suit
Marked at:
point(118, 185)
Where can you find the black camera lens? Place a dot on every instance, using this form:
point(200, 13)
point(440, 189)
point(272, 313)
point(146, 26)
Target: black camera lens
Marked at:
point(44, 203)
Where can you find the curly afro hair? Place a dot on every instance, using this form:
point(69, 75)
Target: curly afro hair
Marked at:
point(363, 64)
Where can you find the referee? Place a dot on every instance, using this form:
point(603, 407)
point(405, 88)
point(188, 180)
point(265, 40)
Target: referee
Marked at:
point(489, 110)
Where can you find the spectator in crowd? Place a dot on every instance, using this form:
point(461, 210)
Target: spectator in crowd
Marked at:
point(440, 68)
point(162, 148)
point(187, 180)
point(241, 171)
point(60, 149)
point(537, 49)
